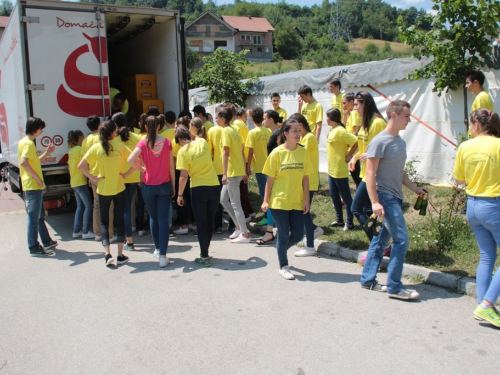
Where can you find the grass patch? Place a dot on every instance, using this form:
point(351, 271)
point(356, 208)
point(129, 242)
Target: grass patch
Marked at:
point(443, 242)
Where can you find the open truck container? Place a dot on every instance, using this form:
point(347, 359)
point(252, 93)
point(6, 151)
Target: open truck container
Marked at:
point(58, 61)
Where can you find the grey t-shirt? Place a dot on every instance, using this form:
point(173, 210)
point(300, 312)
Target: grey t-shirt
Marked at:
point(392, 153)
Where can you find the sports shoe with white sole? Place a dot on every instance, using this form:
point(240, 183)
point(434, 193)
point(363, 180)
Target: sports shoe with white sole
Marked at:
point(404, 294)
point(140, 233)
point(50, 245)
point(181, 231)
point(376, 287)
point(235, 234)
point(163, 262)
point(191, 227)
point(77, 235)
point(241, 239)
point(157, 253)
point(285, 272)
point(88, 236)
point(318, 232)
point(113, 239)
point(121, 259)
point(108, 259)
point(305, 252)
point(97, 238)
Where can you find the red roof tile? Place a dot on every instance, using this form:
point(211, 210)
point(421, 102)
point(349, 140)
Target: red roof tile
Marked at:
point(3, 21)
point(249, 23)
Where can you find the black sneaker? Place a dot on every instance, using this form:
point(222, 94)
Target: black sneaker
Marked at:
point(109, 260)
point(203, 262)
point(122, 259)
point(40, 252)
point(50, 245)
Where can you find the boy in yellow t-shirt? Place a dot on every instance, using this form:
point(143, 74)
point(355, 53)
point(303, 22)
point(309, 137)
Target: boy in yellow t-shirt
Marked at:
point(334, 88)
point(200, 112)
point(474, 81)
point(30, 169)
point(312, 110)
point(276, 101)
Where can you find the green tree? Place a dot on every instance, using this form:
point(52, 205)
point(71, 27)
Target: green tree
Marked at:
point(287, 42)
point(221, 75)
point(387, 48)
point(459, 41)
point(371, 49)
point(6, 8)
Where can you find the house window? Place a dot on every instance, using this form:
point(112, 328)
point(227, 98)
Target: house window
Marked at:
point(220, 43)
point(259, 50)
point(257, 39)
point(245, 37)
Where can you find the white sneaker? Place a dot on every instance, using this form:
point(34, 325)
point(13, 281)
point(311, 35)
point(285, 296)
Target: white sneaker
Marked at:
point(98, 238)
point(241, 239)
point(285, 272)
point(163, 262)
point(318, 232)
point(404, 294)
point(156, 253)
point(134, 229)
point(140, 233)
point(306, 252)
point(235, 234)
point(181, 231)
point(77, 235)
point(113, 239)
point(88, 236)
point(191, 227)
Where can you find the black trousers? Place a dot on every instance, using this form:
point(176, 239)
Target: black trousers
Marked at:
point(218, 214)
point(119, 212)
point(205, 200)
point(355, 174)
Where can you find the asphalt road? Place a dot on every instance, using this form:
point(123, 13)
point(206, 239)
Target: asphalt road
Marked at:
point(70, 314)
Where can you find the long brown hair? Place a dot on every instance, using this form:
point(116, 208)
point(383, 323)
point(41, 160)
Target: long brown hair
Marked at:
point(201, 131)
point(370, 109)
point(73, 137)
point(152, 126)
point(105, 132)
point(489, 121)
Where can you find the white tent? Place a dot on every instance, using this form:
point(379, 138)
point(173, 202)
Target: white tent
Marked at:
point(432, 140)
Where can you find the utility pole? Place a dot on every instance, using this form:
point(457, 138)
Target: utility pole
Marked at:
point(339, 27)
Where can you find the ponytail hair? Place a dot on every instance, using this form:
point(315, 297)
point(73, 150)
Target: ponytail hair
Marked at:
point(124, 133)
point(183, 120)
point(286, 128)
point(349, 96)
point(489, 121)
point(275, 116)
point(161, 120)
point(182, 133)
point(105, 132)
point(73, 137)
point(301, 120)
point(142, 123)
point(334, 115)
point(152, 127)
point(201, 131)
point(240, 112)
point(120, 119)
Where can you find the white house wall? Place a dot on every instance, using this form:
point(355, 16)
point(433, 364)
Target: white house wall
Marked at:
point(208, 44)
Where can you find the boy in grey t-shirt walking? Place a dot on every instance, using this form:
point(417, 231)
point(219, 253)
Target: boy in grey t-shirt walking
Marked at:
point(385, 177)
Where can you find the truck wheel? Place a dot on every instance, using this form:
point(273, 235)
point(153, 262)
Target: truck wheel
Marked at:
point(3, 172)
point(13, 187)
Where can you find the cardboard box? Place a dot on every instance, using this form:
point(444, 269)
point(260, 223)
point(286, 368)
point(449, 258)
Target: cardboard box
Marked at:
point(139, 81)
point(143, 106)
point(145, 93)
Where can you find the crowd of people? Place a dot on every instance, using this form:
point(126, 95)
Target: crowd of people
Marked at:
point(202, 169)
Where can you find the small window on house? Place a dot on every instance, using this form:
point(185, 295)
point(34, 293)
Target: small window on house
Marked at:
point(245, 37)
point(257, 39)
point(259, 49)
point(220, 43)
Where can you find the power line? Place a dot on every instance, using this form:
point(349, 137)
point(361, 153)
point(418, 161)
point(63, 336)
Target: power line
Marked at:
point(339, 27)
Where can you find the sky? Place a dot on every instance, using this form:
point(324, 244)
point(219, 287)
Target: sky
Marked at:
point(426, 4)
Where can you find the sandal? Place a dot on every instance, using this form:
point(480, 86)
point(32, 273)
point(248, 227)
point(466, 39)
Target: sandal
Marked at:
point(260, 241)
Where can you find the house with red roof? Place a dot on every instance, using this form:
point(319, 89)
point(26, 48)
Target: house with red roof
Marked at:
point(209, 32)
point(3, 24)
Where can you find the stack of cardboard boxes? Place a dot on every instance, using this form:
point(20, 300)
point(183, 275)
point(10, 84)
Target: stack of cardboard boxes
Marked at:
point(140, 90)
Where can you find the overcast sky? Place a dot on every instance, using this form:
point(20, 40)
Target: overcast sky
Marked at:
point(426, 4)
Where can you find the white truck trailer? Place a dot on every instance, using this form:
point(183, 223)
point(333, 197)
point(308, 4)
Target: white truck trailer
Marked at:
point(58, 61)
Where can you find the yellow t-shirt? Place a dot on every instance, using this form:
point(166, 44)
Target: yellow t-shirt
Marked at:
point(168, 133)
point(109, 166)
point(137, 130)
point(377, 124)
point(478, 164)
point(483, 100)
point(232, 139)
point(337, 144)
point(313, 112)
point(353, 120)
point(135, 177)
point(214, 147)
point(257, 139)
point(288, 168)
point(242, 128)
point(112, 94)
point(311, 145)
point(282, 114)
point(337, 102)
point(208, 125)
point(87, 143)
point(26, 149)
point(196, 160)
point(175, 148)
point(77, 178)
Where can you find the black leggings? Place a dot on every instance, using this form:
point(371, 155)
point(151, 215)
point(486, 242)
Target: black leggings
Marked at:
point(205, 201)
point(119, 212)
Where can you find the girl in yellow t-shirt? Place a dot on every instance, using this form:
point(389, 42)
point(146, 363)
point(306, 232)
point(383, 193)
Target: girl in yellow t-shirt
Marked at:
point(338, 142)
point(310, 143)
point(287, 190)
point(197, 129)
point(110, 156)
point(83, 213)
point(352, 121)
point(372, 123)
point(478, 166)
point(194, 159)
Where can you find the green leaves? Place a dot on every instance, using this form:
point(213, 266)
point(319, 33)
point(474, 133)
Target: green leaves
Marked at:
point(221, 75)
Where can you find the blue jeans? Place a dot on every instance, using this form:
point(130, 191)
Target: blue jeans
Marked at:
point(261, 181)
point(158, 199)
point(130, 192)
point(340, 187)
point(290, 226)
point(361, 206)
point(36, 219)
point(309, 226)
point(483, 215)
point(395, 227)
point(84, 207)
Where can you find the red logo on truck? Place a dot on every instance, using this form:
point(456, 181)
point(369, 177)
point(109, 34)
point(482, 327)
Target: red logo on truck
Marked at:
point(84, 84)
